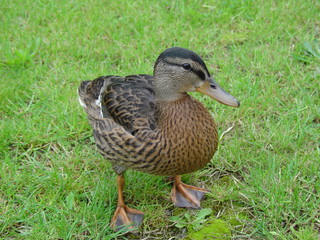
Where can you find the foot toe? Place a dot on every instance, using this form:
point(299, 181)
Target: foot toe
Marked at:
point(128, 218)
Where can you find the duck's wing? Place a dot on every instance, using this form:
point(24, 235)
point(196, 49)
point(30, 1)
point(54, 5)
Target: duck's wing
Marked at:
point(121, 111)
point(130, 102)
point(126, 102)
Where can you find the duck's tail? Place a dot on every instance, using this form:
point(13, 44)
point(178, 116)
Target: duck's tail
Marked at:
point(90, 93)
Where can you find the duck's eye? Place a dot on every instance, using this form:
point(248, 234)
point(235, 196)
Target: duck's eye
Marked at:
point(186, 66)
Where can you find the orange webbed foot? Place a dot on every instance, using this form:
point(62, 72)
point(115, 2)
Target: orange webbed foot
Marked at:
point(187, 196)
point(125, 217)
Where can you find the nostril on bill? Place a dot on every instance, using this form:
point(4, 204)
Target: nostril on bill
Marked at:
point(213, 86)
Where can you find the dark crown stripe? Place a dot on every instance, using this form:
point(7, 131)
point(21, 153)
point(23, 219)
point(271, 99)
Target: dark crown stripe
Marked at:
point(178, 52)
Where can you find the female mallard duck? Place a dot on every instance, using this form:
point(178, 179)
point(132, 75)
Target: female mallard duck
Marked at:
point(150, 124)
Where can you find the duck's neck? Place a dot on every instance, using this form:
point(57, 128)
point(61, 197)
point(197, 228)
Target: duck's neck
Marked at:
point(166, 105)
point(166, 89)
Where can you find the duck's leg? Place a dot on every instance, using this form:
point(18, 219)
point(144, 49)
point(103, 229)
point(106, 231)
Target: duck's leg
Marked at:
point(184, 195)
point(125, 216)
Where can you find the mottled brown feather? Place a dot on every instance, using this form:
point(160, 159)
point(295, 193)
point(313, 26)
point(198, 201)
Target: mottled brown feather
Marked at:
point(134, 131)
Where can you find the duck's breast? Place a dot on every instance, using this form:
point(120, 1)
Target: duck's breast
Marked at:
point(188, 137)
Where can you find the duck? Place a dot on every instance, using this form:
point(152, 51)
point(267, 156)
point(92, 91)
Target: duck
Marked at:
point(151, 124)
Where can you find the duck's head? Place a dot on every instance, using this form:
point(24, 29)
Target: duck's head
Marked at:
point(179, 70)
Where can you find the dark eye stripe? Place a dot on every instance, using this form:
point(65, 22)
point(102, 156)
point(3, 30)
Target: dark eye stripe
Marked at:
point(199, 73)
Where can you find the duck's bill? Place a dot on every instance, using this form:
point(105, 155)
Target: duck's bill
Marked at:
point(213, 90)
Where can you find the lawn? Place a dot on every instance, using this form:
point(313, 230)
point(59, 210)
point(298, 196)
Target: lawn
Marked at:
point(264, 179)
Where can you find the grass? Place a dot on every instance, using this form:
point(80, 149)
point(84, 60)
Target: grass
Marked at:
point(264, 179)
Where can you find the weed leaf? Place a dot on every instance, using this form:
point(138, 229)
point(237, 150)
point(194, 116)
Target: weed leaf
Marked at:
point(203, 213)
point(70, 200)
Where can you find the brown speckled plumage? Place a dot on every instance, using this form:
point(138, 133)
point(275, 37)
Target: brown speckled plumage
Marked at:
point(150, 123)
point(162, 138)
